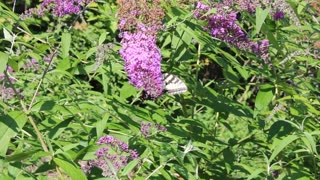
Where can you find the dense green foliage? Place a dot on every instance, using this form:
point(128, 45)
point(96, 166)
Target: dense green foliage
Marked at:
point(242, 118)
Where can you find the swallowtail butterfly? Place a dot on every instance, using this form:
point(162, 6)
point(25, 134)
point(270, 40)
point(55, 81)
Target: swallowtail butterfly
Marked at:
point(172, 84)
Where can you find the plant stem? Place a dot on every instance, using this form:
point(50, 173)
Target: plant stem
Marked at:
point(158, 168)
point(196, 81)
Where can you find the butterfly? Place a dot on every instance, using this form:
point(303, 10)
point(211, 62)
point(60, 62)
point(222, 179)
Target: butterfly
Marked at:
point(173, 85)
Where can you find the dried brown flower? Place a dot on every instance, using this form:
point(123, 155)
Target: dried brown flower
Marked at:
point(316, 5)
point(132, 13)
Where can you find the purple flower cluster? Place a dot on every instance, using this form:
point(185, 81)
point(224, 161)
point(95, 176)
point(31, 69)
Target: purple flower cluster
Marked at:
point(142, 60)
point(225, 28)
point(222, 25)
point(277, 7)
point(260, 48)
point(139, 23)
point(6, 91)
point(59, 8)
point(278, 15)
point(31, 65)
point(248, 5)
point(115, 151)
point(147, 127)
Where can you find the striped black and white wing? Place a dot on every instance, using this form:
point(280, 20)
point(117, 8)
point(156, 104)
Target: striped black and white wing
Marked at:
point(173, 85)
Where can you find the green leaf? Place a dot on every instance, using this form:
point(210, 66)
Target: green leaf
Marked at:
point(255, 174)
point(163, 174)
point(36, 56)
point(20, 156)
point(101, 125)
point(90, 52)
point(181, 171)
point(246, 168)
point(44, 106)
point(102, 37)
point(310, 143)
point(228, 156)
point(3, 61)
point(261, 15)
point(127, 90)
point(243, 72)
point(302, 5)
point(280, 145)
point(280, 129)
point(6, 177)
point(7, 35)
point(130, 166)
point(65, 46)
point(10, 126)
point(6, 12)
point(73, 171)
point(264, 97)
point(59, 128)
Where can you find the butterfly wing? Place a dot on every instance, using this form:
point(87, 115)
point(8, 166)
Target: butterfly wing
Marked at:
point(173, 85)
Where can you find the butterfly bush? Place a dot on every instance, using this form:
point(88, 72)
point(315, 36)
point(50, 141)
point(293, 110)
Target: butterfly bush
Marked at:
point(222, 25)
point(139, 23)
point(58, 8)
point(278, 15)
point(142, 61)
point(248, 5)
point(147, 128)
point(7, 91)
point(278, 8)
point(113, 150)
point(31, 65)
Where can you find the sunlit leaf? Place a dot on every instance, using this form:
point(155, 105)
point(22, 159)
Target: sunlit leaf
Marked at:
point(3, 61)
point(132, 164)
point(260, 18)
point(280, 145)
point(69, 168)
point(65, 45)
point(10, 125)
